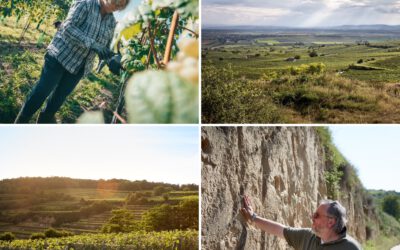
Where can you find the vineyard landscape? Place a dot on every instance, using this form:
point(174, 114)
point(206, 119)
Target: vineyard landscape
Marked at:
point(66, 213)
point(158, 46)
point(271, 74)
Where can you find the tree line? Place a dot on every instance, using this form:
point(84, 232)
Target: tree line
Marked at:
point(33, 184)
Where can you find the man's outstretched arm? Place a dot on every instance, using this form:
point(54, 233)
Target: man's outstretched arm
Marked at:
point(268, 226)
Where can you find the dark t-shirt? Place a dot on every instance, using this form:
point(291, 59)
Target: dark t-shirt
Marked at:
point(305, 239)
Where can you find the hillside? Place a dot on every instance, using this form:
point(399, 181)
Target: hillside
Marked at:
point(286, 171)
point(33, 205)
point(300, 76)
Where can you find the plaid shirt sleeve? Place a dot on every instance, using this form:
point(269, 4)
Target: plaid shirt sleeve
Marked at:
point(76, 16)
point(84, 26)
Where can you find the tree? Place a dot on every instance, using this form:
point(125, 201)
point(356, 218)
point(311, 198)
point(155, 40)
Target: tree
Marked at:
point(391, 205)
point(121, 221)
point(166, 196)
point(159, 190)
point(7, 236)
point(185, 215)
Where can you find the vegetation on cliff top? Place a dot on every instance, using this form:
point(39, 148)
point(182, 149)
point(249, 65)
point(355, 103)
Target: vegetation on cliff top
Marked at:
point(342, 178)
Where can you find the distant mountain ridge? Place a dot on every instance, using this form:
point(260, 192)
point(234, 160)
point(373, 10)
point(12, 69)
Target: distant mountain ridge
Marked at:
point(373, 27)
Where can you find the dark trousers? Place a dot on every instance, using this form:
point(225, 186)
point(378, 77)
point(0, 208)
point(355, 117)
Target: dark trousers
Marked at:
point(54, 80)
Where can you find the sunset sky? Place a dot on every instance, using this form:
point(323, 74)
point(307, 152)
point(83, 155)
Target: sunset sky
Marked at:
point(155, 153)
point(300, 13)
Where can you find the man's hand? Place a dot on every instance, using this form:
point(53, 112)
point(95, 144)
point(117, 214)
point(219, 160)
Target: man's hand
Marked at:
point(246, 210)
point(266, 225)
point(114, 64)
point(103, 52)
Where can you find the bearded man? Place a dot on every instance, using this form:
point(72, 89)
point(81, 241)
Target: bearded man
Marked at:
point(328, 230)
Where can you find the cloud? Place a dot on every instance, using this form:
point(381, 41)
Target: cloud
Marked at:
point(241, 15)
point(389, 8)
point(300, 12)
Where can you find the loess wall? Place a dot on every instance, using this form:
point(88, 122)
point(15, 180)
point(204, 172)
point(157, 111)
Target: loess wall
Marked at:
point(281, 169)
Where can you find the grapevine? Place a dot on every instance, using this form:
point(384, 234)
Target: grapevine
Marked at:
point(152, 33)
point(135, 240)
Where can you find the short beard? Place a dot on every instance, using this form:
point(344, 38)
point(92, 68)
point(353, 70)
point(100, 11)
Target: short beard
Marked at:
point(315, 231)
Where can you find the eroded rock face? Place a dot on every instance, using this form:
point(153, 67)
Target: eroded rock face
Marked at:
point(280, 168)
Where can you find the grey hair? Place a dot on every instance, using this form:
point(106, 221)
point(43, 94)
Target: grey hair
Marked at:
point(337, 211)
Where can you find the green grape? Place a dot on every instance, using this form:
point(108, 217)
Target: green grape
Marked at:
point(161, 97)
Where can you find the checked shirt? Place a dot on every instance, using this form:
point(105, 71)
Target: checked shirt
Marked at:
point(83, 27)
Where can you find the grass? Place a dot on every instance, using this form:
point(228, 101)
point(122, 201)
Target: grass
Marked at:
point(20, 68)
point(360, 83)
point(389, 233)
point(302, 98)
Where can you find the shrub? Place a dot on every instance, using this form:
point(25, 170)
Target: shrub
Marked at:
point(297, 57)
point(36, 236)
point(53, 233)
point(312, 68)
point(391, 205)
point(158, 190)
point(121, 221)
point(185, 215)
point(165, 197)
point(360, 61)
point(7, 236)
point(229, 99)
point(96, 208)
point(313, 53)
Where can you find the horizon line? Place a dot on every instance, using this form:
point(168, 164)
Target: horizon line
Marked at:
point(77, 178)
point(297, 27)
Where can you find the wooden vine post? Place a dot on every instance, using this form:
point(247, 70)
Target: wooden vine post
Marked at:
point(168, 48)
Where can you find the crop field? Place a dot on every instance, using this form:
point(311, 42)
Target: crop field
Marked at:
point(365, 65)
point(263, 56)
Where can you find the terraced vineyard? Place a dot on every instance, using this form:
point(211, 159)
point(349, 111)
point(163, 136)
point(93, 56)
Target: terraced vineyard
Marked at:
point(76, 210)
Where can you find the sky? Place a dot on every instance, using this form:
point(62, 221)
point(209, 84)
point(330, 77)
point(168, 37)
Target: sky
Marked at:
point(155, 153)
point(121, 14)
point(300, 13)
point(374, 151)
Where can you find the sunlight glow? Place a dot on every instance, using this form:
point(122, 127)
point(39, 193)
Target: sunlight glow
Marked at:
point(166, 154)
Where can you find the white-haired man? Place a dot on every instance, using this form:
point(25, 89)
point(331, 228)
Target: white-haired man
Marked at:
point(87, 31)
point(328, 228)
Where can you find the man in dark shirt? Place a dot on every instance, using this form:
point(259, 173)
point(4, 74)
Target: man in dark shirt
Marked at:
point(328, 228)
point(87, 31)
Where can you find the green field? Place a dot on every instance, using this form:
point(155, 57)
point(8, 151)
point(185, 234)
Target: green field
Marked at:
point(359, 81)
point(36, 207)
point(255, 61)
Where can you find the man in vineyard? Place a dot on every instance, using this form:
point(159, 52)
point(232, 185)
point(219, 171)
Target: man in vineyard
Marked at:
point(87, 31)
point(328, 228)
